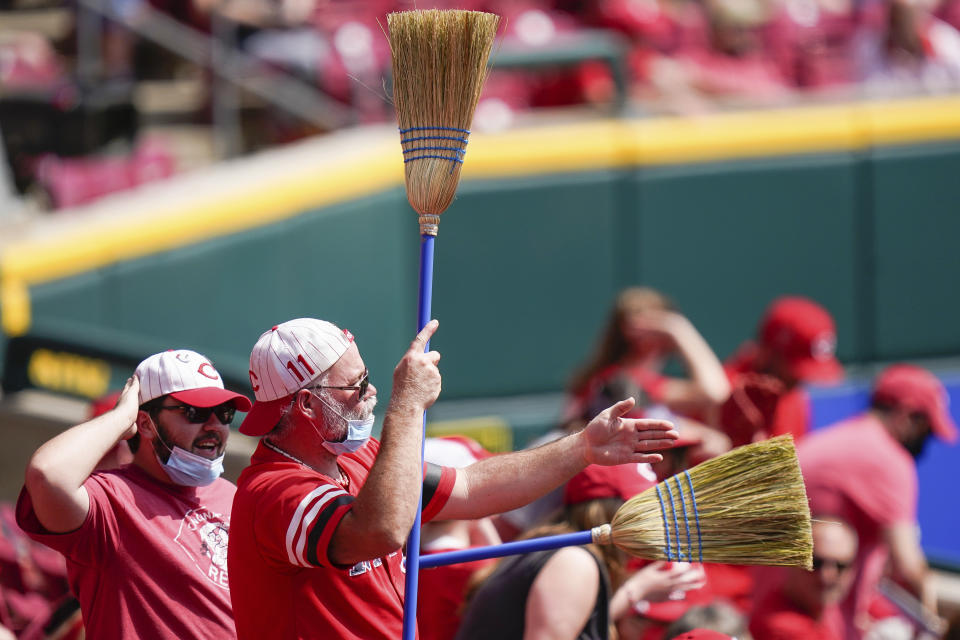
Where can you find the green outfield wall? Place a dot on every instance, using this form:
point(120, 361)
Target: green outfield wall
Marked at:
point(853, 205)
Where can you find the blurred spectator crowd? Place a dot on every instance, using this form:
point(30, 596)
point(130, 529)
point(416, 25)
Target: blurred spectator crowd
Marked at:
point(75, 129)
point(869, 578)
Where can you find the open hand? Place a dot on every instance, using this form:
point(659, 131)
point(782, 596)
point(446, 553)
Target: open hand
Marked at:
point(660, 581)
point(128, 404)
point(611, 439)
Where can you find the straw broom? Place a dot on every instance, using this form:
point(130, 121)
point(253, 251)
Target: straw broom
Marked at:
point(748, 506)
point(439, 65)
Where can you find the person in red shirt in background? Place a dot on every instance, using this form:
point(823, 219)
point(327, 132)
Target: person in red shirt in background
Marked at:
point(796, 343)
point(864, 470)
point(805, 607)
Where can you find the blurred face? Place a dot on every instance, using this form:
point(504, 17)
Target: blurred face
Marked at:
point(207, 439)
point(774, 364)
point(917, 433)
point(348, 371)
point(834, 550)
point(641, 333)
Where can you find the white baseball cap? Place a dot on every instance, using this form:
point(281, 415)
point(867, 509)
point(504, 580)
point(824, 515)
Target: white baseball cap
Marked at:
point(284, 360)
point(453, 451)
point(187, 376)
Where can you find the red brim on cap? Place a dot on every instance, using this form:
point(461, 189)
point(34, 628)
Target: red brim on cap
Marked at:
point(813, 370)
point(211, 397)
point(944, 427)
point(264, 416)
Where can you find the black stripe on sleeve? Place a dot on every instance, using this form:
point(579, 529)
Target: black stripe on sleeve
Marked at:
point(316, 531)
point(431, 482)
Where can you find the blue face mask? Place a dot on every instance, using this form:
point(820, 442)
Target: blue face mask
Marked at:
point(358, 432)
point(189, 469)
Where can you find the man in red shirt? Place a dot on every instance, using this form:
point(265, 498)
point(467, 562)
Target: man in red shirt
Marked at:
point(323, 510)
point(863, 470)
point(805, 607)
point(796, 342)
point(146, 543)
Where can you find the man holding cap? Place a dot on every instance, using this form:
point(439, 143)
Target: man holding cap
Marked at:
point(145, 543)
point(863, 471)
point(323, 510)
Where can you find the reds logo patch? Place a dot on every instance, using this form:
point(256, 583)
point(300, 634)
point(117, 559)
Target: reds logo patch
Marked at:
point(203, 535)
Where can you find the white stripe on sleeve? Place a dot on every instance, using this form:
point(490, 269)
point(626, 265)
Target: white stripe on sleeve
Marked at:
point(298, 514)
point(309, 519)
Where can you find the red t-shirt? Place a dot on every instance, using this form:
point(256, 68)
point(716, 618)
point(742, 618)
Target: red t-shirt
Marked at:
point(771, 411)
point(285, 585)
point(856, 470)
point(776, 618)
point(150, 560)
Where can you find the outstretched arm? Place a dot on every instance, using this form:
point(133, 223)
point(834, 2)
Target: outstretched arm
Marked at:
point(57, 470)
point(511, 480)
point(909, 564)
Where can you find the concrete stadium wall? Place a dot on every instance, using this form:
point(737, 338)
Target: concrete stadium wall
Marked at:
point(526, 267)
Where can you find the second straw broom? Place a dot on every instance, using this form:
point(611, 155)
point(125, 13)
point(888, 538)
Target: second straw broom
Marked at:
point(748, 506)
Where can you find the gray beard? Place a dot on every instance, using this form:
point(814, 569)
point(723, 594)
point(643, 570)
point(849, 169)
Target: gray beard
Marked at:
point(331, 407)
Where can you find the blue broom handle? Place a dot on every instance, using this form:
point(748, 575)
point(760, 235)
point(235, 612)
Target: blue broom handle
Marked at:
point(413, 541)
point(507, 549)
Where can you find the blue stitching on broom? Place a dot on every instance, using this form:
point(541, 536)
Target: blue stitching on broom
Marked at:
point(457, 160)
point(696, 514)
point(686, 520)
point(676, 525)
point(666, 527)
point(432, 157)
point(419, 138)
point(460, 151)
point(409, 129)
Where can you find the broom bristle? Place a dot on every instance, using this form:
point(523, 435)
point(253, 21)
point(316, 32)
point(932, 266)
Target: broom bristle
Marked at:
point(748, 506)
point(439, 65)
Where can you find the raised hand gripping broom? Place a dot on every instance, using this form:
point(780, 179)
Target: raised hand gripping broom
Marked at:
point(748, 506)
point(439, 65)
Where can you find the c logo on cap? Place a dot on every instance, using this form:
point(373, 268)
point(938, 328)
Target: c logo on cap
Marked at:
point(253, 380)
point(213, 376)
point(823, 346)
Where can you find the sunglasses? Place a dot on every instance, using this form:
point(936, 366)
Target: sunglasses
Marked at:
point(360, 386)
point(819, 563)
point(199, 415)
